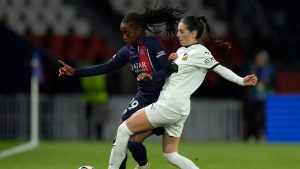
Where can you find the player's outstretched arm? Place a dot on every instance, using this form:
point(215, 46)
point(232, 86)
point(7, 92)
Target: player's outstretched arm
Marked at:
point(65, 69)
point(249, 80)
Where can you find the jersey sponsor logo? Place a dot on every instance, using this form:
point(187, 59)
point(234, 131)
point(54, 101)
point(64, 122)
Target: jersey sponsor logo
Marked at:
point(209, 60)
point(161, 53)
point(185, 57)
point(139, 67)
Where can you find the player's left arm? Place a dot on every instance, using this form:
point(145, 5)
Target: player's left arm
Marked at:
point(165, 64)
point(165, 68)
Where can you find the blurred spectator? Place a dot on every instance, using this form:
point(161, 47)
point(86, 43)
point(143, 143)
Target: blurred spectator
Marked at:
point(265, 86)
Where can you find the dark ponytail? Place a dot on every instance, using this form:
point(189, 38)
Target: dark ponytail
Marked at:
point(208, 30)
point(199, 23)
point(153, 19)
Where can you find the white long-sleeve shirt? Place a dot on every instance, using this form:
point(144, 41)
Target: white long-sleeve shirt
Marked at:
point(193, 63)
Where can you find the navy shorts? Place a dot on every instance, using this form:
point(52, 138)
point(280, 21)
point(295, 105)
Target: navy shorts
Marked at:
point(136, 104)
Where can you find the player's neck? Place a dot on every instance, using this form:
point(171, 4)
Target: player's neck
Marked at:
point(191, 44)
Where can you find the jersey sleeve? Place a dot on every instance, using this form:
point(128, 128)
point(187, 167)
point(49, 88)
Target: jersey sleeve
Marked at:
point(162, 58)
point(116, 62)
point(229, 75)
point(205, 59)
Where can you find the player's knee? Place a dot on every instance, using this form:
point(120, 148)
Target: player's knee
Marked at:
point(123, 130)
point(171, 157)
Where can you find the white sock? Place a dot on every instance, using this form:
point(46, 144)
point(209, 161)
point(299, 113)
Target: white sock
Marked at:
point(118, 151)
point(179, 161)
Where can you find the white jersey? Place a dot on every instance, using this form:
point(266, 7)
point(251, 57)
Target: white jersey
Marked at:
point(193, 63)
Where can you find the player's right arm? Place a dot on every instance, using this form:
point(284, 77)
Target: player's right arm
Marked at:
point(116, 62)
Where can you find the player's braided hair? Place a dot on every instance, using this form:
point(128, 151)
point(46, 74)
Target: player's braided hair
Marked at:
point(152, 19)
point(199, 23)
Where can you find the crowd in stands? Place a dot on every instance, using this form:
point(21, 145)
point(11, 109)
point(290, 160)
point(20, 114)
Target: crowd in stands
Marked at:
point(58, 27)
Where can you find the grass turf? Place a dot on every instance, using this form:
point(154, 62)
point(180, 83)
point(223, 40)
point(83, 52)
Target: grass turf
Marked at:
point(71, 155)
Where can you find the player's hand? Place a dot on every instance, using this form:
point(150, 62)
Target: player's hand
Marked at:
point(65, 69)
point(144, 76)
point(250, 80)
point(173, 56)
point(174, 66)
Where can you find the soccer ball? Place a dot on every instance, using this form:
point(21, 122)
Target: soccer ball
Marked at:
point(86, 167)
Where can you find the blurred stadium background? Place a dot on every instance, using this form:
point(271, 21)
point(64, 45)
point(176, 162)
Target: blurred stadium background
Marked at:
point(82, 32)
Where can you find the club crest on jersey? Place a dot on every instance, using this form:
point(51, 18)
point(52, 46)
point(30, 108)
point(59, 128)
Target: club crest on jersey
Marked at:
point(142, 51)
point(185, 57)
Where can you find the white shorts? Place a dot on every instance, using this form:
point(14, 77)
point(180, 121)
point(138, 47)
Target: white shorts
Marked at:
point(160, 116)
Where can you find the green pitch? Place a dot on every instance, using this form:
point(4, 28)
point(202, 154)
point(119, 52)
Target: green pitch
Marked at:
point(71, 155)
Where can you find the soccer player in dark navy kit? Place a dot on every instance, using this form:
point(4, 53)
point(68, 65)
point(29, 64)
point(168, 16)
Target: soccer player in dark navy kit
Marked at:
point(145, 55)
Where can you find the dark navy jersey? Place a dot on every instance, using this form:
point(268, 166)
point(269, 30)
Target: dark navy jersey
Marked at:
point(148, 56)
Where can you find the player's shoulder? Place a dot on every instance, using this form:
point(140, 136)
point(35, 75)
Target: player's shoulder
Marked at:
point(198, 48)
point(123, 51)
point(201, 49)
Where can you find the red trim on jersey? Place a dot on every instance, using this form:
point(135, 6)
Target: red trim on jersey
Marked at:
point(144, 60)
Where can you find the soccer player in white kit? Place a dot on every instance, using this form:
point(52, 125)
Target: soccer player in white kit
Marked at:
point(173, 105)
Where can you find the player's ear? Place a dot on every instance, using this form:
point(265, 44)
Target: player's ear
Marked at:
point(194, 34)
